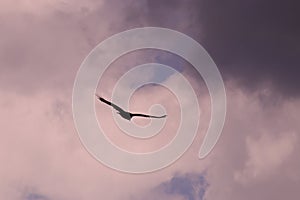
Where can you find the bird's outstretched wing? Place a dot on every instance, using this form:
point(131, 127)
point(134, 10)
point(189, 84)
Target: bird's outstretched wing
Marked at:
point(125, 114)
point(149, 116)
point(110, 104)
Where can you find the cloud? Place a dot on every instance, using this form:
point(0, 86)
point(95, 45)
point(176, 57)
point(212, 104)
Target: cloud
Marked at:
point(43, 52)
point(257, 152)
point(255, 45)
point(40, 149)
point(42, 8)
point(266, 155)
point(35, 196)
point(189, 186)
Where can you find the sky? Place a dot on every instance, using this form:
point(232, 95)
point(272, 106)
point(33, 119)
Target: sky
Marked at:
point(255, 45)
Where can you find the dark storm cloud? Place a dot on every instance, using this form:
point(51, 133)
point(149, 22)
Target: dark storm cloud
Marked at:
point(254, 42)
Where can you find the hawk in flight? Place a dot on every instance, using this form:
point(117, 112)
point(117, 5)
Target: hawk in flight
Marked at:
point(125, 114)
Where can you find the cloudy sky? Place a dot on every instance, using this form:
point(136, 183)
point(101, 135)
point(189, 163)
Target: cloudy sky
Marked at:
point(255, 45)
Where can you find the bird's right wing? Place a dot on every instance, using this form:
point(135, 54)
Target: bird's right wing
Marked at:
point(149, 116)
point(110, 104)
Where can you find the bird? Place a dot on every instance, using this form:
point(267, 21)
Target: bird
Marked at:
point(126, 115)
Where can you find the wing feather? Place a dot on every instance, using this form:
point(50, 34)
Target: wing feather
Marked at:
point(149, 116)
point(110, 104)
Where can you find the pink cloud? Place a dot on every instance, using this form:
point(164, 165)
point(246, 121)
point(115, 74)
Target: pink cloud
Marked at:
point(266, 155)
point(41, 49)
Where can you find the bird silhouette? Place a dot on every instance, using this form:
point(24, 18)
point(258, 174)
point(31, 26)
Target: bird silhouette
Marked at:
point(125, 114)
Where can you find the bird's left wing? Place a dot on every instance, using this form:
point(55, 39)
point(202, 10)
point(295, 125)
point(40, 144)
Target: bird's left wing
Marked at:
point(110, 103)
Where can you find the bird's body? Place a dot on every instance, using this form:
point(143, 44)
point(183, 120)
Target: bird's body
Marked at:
point(125, 114)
